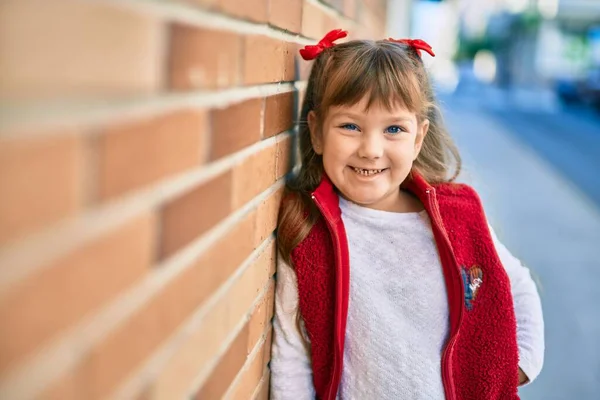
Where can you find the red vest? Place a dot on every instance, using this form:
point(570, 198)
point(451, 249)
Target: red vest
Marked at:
point(480, 358)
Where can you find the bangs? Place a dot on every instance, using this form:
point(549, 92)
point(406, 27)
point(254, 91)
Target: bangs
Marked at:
point(378, 70)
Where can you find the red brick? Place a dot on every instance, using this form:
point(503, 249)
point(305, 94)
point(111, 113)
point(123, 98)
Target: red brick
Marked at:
point(301, 94)
point(266, 220)
point(68, 387)
point(129, 345)
point(376, 7)
point(313, 21)
point(253, 176)
point(41, 181)
point(138, 153)
point(78, 50)
point(235, 127)
point(249, 379)
point(105, 367)
point(202, 3)
point(200, 349)
point(270, 302)
point(144, 394)
point(284, 157)
point(222, 376)
point(266, 259)
point(331, 22)
point(230, 251)
point(268, 60)
point(289, 57)
point(286, 14)
point(107, 364)
point(263, 393)
point(267, 349)
point(316, 22)
point(37, 308)
point(336, 4)
point(252, 375)
point(203, 59)
point(371, 24)
point(260, 321)
point(350, 8)
point(279, 113)
point(235, 357)
point(189, 290)
point(253, 10)
point(190, 215)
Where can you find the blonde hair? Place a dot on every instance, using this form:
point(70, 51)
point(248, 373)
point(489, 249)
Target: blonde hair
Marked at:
point(389, 73)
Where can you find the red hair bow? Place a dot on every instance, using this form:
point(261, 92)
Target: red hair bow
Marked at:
point(311, 52)
point(417, 44)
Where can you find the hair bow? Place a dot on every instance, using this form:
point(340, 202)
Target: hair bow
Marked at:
point(417, 44)
point(311, 52)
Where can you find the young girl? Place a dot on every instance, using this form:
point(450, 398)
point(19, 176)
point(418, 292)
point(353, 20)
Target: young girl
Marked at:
point(390, 283)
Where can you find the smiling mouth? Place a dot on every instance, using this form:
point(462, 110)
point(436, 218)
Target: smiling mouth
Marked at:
point(367, 172)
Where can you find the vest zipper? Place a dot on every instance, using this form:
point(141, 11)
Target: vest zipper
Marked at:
point(449, 258)
point(336, 375)
point(446, 367)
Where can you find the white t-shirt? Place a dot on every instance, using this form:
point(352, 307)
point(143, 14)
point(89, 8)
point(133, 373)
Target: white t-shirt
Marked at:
point(398, 316)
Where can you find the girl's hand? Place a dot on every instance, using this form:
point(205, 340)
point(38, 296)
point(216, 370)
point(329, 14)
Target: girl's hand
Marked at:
point(523, 379)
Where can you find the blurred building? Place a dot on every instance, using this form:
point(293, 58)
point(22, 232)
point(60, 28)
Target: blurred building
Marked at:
point(436, 22)
point(567, 41)
point(534, 43)
point(399, 18)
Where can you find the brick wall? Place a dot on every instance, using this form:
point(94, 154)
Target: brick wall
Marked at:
point(143, 150)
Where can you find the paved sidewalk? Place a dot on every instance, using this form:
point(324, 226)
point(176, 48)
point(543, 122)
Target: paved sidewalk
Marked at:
point(555, 230)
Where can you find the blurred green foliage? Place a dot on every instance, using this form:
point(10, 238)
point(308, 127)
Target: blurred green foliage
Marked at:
point(520, 25)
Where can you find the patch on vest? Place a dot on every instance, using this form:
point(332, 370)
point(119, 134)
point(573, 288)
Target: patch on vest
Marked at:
point(472, 280)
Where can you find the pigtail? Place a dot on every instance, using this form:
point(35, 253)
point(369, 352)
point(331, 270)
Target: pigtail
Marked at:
point(298, 213)
point(439, 160)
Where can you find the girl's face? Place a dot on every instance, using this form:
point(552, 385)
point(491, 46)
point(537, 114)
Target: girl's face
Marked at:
point(368, 154)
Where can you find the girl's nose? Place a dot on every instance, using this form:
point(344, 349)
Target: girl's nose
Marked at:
point(371, 146)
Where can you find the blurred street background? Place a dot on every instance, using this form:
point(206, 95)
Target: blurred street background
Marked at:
point(519, 82)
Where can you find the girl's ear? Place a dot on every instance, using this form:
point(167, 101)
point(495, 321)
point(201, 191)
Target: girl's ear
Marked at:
point(315, 137)
point(421, 133)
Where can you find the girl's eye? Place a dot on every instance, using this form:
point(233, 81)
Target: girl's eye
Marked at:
point(351, 127)
point(394, 130)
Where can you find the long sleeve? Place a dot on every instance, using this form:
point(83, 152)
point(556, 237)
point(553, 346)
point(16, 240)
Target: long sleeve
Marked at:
point(291, 372)
point(528, 311)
